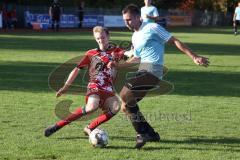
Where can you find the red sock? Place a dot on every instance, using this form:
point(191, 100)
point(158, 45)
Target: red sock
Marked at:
point(72, 117)
point(99, 120)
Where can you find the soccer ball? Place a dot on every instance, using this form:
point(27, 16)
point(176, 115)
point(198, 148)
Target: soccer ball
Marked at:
point(98, 138)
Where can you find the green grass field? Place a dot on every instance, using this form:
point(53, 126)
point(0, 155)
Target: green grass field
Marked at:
point(199, 120)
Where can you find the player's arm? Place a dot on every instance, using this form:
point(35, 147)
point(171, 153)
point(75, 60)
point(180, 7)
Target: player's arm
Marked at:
point(131, 62)
point(235, 16)
point(199, 60)
point(85, 61)
point(128, 57)
point(50, 11)
point(155, 16)
point(72, 76)
point(234, 19)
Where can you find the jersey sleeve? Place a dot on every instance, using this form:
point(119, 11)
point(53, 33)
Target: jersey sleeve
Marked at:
point(155, 12)
point(135, 53)
point(161, 32)
point(142, 14)
point(119, 54)
point(85, 61)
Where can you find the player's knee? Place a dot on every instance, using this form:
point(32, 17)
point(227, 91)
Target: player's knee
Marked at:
point(92, 103)
point(126, 94)
point(115, 108)
point(90, 107)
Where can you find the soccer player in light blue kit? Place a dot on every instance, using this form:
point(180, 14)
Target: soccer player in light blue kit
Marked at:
point(149, 13)
point(148, 41)
point(236, 18)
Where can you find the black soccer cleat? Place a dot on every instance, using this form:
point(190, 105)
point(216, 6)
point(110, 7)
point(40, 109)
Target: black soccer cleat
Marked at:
point(143, 138)
point(154, 137)
point(50, 130)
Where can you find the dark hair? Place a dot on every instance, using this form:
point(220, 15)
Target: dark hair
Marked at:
point(132, 9)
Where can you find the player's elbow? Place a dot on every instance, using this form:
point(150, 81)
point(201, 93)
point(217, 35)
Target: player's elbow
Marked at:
point(173, 41)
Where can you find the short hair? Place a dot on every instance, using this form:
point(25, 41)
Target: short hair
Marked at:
point(100, 29)
point(132, 9)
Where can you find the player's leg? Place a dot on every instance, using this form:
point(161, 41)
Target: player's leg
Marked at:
point(53, 23)
point(237, 23)
point(57, 22)
point(92, 105)
point(130, 107)
point(111, 107)
point(235, 27)
point(134, 91)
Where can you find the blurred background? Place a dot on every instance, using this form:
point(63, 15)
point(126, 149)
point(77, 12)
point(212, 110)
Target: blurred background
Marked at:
point(32, 13)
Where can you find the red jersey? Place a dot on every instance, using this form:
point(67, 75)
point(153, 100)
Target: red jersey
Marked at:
point(101, 76)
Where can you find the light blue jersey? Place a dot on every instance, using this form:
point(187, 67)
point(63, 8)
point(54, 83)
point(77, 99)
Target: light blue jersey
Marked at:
point(149, 44)
point(237, 11)
point(151, 11)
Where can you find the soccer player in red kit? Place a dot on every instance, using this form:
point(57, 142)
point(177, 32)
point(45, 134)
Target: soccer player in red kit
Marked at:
point(100, 91)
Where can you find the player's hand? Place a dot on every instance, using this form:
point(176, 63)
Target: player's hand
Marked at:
point(201, 61)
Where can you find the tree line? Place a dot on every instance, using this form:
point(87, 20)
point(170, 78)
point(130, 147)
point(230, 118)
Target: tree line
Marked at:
point(212, 5)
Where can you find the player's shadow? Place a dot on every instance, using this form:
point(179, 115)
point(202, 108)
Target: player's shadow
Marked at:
point(228, 144)
point(208, 141)
point(194, 140)
point(133, 148)
point(72, 138)
point(123, 138)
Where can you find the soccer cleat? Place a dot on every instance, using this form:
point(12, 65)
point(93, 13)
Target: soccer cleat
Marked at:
point(86, 131)
point(50, 130)
point(235, 33)
point(143, 138)
point(154, 137)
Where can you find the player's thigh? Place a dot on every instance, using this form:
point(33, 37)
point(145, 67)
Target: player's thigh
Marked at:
point(113, 104)
point(92, 103)
point(126, 95)
point(131, 97)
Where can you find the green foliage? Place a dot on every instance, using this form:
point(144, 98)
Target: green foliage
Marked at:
point(161, 4)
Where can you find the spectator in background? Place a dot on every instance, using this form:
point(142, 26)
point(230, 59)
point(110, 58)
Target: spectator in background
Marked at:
point(55, 12)
point(5, 16)
point(81, 13)
point(14, 18)
point(236, 18)
point(149, 13)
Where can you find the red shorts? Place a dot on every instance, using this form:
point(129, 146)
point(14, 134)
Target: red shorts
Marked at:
point(104, 95)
